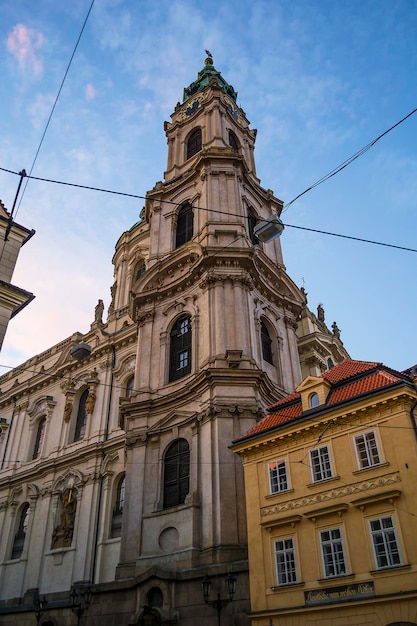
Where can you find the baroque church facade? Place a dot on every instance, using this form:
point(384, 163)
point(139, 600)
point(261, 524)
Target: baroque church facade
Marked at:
point(118, 490)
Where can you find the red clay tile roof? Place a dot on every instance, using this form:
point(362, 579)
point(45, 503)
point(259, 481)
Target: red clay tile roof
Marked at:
point(347, 369)
point(367, 376)
point(294, 396)
point(357, 388)
point(274, 419)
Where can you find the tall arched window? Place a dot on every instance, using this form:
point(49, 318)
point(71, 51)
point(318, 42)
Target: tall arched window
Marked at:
point(119, 503)
point(185, 225)
point(20, 536)
point(180, 348)
point(130, 386)
point(266, 344)
point(40, 434)
point(81, 422)
point(140, 269)
point(252, 219)
point(233, 142)
point(194, 142)
point(176, 473)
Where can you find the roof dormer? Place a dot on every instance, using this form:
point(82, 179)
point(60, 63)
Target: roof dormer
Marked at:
point(314, 391)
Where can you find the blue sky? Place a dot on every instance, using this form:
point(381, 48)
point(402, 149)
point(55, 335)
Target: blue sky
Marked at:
point(319, 79)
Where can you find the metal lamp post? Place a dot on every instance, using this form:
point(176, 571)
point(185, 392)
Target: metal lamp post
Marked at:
point(40, 608)
point(219, 603)
point(80, 601)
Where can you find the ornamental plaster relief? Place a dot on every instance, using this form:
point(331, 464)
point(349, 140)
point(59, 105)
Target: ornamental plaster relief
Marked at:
point(41, 406)
point(332, 494)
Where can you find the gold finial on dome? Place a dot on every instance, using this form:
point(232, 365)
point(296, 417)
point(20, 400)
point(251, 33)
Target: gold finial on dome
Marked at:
point(209, 60)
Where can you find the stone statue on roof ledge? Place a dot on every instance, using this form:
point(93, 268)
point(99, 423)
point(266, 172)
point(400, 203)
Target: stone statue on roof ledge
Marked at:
point(336, 330)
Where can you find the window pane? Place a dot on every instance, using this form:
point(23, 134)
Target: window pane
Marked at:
point(185, 225)
point(251, 225)
point(285, 561)
point(81, 423)
point(320, 463)
point(387, 553)
point(194, 143)
point(333, 553)
point(266, 344)
point(180, 349)
point(367, 450)
point(176, 473)
point(40, 434)
point(20, 536)
point(278, 476)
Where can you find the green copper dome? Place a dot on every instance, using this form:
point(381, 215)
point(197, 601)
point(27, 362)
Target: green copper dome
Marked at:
point(204, 79)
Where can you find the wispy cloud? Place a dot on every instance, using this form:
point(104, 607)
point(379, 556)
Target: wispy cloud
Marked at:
point(25, 44)
point(90, 92)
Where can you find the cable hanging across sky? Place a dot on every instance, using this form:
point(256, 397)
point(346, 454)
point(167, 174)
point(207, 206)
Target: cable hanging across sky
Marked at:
point(335, 171)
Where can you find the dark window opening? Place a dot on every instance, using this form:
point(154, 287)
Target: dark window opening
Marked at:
point(20, 536)
point(129, 386)
point(233, 142)
point(252, 219)
point(185, 225)
point(266, 344)
point(176, 473)
point(155, 597)
point(140, 270)
point(40, 434)
point(180, 348)
point(117, 515)
point(81, 422)
point(194, 143)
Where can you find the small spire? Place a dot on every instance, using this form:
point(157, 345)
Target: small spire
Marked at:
point(209, 59)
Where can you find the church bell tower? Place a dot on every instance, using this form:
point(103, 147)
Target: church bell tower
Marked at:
point(216, 317)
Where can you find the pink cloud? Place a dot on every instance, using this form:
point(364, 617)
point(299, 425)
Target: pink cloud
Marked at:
point(90, 92)
point(24, 44)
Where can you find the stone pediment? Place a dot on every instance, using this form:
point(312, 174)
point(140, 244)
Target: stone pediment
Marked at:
point(171, 422)
point(166, 277)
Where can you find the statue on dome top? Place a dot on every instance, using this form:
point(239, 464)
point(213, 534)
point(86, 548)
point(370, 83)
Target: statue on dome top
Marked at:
point(209, 60)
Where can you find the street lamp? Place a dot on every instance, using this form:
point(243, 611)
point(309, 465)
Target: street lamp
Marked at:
point(40, 608)
point(219, 603)
point(268, 229)
point(80, 600)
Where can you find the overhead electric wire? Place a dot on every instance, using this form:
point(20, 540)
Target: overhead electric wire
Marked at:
point(137, 196)
point(286, 205)
point(348, 161)
point(55, 103)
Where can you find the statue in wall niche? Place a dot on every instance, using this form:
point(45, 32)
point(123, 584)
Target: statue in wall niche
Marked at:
point(98, 312)
point(67, 410)
point(63, 532)
point(91, 400)
point(149, 617)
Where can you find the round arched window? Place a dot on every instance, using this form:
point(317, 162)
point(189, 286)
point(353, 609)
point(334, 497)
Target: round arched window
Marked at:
point(314, 400)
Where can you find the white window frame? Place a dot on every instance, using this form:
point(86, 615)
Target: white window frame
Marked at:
point(285, 561)
point(320, 463)
point(313, 400)
point(385, 537)
point(277, 476)
point(333, 552)
point(369, 455)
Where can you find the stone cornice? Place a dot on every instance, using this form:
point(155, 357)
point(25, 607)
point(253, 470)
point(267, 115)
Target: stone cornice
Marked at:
point(329, 495)
point(42, 468)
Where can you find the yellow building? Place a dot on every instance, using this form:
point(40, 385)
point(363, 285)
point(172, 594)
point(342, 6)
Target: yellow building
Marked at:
point(330, 480)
